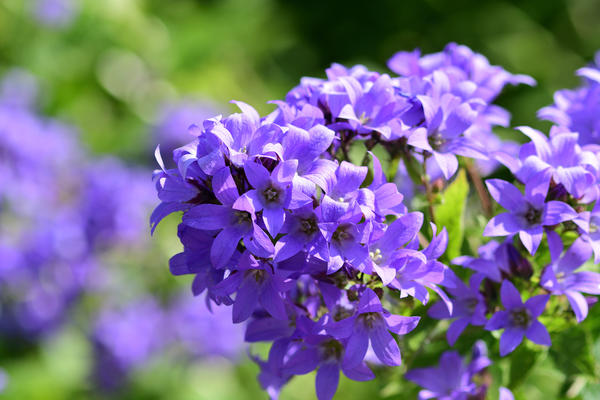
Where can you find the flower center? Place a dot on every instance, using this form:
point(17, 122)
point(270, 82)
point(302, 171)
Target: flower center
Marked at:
point(370, 319)
point(533, 216)
point(331, 350)
point(520, 317)
point(271, 194)
point(436, 141)
point(342, 233)
point(376, 256)
point(309, 225)
point(242, 217)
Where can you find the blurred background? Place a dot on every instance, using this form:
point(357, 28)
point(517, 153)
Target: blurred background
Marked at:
point(89, 88)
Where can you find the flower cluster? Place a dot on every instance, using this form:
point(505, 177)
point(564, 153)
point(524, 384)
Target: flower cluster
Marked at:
point(318, 254)
point(66, 221)
point(453, 379)
point(560, 178)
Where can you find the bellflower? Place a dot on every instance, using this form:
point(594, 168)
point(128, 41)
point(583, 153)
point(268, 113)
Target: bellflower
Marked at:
point(561, 278)
point(232, 224)
point(272, 194)
point(519, 319)
point(452, 379)
point(468, 307)
point(527, 214)
point(371, 323)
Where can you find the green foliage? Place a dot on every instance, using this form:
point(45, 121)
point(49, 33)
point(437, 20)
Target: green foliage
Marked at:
point(450, 213)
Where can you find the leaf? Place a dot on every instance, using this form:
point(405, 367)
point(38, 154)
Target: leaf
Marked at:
point(571, 352)
point(522, 361)
point(450, 213)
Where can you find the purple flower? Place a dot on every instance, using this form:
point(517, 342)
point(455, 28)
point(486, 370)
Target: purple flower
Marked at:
point(419, 271)
point(527, 214)
point(446, 119)
point(452, 379)
point(469, 307)
point(232, 224)
point(561, 278)
point(568, 164)
point(519, 319)
point(254, 283)
point(371, 324)
point(119, 347)
point(273, 193)
point(576, 109)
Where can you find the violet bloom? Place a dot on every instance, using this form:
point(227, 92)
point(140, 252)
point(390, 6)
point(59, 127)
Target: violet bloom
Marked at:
point(372, 324)
point(255, 283)
point(528, 214)
point(568, 164)
point(172, 127)
point(446, 119)
point(242, 135)
point(519, 319)
point(307, 146)
point(452, 379)
point(468, 308)
point(383, 248)
point(367, 108)
point(233, 224)
point(119, 346)
point(205, 330)
point(273, 193)
point(577, 109)
point(496, 260)
point(561, 278)
point(302, 233)
point(343, 234)
point(470, 74)
point(591, 230)
point(55, 13)
point(418, 271)
point(326, 354)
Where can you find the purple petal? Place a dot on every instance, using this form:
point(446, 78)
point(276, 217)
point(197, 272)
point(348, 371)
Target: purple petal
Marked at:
point(357, 347)
point(447, 162)
point(223, 247)
point(532, 238)
point(258, 243)
point(505, 194)
point(273, 218)
point(540, 141)
point(578, 304)
point(384, 346)
point(224, 187)
point(510, 339)
point(257, 175)
point(245, 300)
point(359, 372)
point(207, 217)
point(498, 321)
point(327, 380)
point(401, 325)
point(502, 225)
point(537, 333)
point(272, 302)
point(455, 329)
point(369, 302)
point(510, 296)
point(556, 212)
point(537, 304)
point(249, 202)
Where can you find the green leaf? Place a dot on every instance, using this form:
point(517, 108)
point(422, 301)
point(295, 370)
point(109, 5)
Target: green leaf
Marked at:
point(572, 352)
point(450, 213)
point(522, 361)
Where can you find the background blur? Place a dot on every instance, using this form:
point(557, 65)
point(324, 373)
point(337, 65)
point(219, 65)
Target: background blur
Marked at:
point(128, 74)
